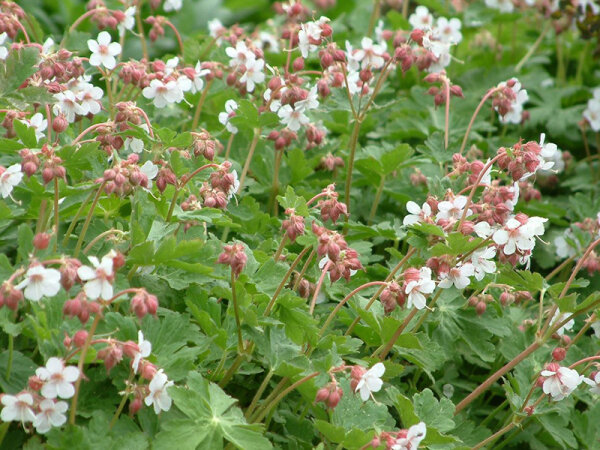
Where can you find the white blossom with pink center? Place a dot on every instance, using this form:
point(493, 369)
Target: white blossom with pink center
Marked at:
point(370, 381)
point(58, 379)
point(104, 51)
point(415, 289)
point(457, 276)
point(98, 279)
point(560, 381)
point(40, 282)
point(17, 408)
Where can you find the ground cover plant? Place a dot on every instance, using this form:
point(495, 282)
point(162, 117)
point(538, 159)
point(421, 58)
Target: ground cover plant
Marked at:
point(327, 224)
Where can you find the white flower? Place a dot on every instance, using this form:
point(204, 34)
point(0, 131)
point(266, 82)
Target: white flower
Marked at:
point(448, 30)
point(310, 102)
point(370, 381)
point(414, 436)
point(292, 118)
point(353, 86)
point(39, 125)
point(145, 350)
point(68, 105)
point(563, 246)
point(90, 98)
point(163, 94)
point(560, 382)
point(506, 6)
point(9, 178)
point(158, 396)
point(370, 55)
point(421, 18)
point(198, 81)
point(452, 210)
point(592, 114)
point(235, 186)
point(150, 170)
point(457, 276)
point(379, 32)
point(596, 328)
point(136, 145)
point(515, 191)
point(559, 317)
point(482, 229)
point(58, 378)
point(516, 235)
point(98, 280)
point(435, 46)
point(351, 61)
point(215, 29)
point(481, 262)
point(3, 49)
point(240, 55)
point(266, 39)
point(224, 117)
point(416, 288)
point(172, 5)
point(595, 383)
point(128, 21)
point(310, 31)
point(52, 414)
point(17, 408)
point(40, 282)
point(253, 74)
point(514, 115)
point(417, 214)
point(104, 51)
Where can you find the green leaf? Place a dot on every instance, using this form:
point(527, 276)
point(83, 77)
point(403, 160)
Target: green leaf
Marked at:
point(21, 369)
point(333, 433)
point(211, 416)
point(437, 414)
point(291, 200)
point(25, 133)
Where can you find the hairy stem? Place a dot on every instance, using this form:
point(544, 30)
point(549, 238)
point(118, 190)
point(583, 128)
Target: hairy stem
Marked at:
point(376, 200)
point(80, 364)
point(199, 106)
point(284, 280)
point(285, 392)
point(249, 158)
point(474, 116)
point(313, 302)
point(383, 351)
point(88, 219)
point(237, 314)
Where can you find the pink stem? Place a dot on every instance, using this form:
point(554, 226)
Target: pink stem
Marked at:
point(474, 188)
point(89, 129)
point(170, 25)
point(147, 121)
point(348, 297)
point(481, 103)
point(313, 302)
point(584, 360)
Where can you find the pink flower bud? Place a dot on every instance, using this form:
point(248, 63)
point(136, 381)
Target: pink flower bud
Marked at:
point(79, 338)
point(35, 383)
point(480, 308)
point(41, 241)
point(559, 353)
point(298, 64)
point(148, 370)
point(135, 406)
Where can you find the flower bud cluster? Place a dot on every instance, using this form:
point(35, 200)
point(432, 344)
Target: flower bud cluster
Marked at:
point(234, 255)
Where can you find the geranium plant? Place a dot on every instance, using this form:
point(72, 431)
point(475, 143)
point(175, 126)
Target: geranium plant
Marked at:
point(300, 224)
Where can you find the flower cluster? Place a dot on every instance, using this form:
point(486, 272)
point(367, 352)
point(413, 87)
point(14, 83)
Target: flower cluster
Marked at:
point(40, 404)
